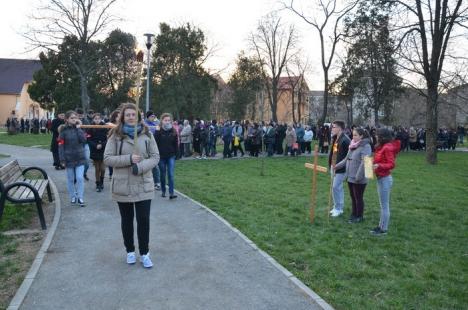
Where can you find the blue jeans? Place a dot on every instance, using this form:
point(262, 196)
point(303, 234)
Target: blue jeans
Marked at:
point(167, 165)
point(338, 192)
point(156, 175)
point(384, 187)
point(72, 174)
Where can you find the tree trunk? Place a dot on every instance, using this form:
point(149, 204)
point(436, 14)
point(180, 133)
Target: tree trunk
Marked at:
point(274, 102)
point(323, 117)
point(431, 125)
point(293, 106)
point(84, 93)
point(299, 104)
point(376, 116)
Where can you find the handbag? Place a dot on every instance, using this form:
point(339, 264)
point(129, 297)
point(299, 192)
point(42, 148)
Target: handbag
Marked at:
point(295, 146)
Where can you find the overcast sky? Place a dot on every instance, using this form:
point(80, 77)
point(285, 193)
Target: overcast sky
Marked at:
point(227, 23)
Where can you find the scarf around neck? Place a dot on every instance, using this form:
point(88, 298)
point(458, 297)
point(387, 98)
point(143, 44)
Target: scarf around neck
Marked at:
point(354, 144)
point(130, 130)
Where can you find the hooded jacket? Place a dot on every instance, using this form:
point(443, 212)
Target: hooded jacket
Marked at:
point(354, 162)
point(385, 157)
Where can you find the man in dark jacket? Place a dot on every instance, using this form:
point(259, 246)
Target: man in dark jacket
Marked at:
point(339, 150)
point(59, 120)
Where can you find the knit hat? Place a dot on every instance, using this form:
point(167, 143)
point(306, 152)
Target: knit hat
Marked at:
point(149, 114)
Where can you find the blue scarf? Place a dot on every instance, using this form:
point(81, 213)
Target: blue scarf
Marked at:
point(130, 130)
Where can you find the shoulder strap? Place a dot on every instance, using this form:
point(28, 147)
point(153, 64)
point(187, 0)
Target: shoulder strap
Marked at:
point(121, 146)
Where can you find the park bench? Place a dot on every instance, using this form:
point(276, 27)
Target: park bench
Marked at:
point(24, 186)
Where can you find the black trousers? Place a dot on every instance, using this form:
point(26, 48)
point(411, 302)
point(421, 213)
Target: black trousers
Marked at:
point(127, 212)
point(357, 198)
point(55, 155)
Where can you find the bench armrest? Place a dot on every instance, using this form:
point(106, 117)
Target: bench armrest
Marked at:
point(19, 184)
point(42, 171)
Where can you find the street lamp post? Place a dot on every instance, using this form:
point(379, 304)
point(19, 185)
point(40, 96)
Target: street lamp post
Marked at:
point(149, 43)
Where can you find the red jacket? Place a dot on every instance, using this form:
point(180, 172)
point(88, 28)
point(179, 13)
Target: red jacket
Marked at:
point(385, 157)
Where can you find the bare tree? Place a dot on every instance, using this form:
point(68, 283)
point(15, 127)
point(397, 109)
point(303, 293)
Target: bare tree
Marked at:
point(296, 70)
point(428, 29)
point(328, 24)
point(81, 19)
point(274, 45)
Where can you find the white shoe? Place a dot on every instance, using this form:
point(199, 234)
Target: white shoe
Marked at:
point(332, 211)
point(146, 261)
point(131, 258)
point(336, 213)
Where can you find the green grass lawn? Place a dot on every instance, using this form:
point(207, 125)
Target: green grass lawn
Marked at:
point(26, 139)
point(421, 264)
point(13, 264)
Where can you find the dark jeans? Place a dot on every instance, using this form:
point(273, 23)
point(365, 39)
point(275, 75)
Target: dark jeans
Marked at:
point(166, 167)
point(308, 146)
point(127, 211)
point(270, 148)
point(357, 198)
point(227, 149)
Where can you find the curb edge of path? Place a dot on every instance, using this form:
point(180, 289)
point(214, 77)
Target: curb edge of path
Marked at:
point(298, 283)
point(23, 290)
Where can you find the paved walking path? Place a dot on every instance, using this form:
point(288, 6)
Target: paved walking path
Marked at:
point(200, 263)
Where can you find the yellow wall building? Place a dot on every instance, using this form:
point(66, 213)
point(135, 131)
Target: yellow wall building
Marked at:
point(15, 77)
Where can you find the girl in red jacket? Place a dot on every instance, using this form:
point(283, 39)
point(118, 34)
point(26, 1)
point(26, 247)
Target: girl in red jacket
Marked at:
point(384, 161)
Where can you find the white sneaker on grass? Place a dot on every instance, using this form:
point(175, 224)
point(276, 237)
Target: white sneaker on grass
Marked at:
point(336, 213)
point(131, 258)
point(146, 261)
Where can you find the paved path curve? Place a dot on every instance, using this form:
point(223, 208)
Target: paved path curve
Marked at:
point(200, 263)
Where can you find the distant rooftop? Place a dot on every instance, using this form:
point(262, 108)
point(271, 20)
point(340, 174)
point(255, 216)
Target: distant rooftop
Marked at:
point(15, 72)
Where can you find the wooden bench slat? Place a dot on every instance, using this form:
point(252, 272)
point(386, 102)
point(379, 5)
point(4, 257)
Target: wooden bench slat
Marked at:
point(8, 167)
point(17, 192)
point(40, 187)
point(29, 193)
point(11, 176)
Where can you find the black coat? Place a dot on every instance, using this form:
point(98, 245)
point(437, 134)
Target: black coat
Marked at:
point(97, 136)
point(55, 134)
point(343, 147)
point(167, 143)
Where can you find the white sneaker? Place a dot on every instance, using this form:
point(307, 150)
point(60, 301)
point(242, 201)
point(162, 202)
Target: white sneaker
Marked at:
point(131, 258)
point(332, 211)
point(146, 261)
point(336, 213)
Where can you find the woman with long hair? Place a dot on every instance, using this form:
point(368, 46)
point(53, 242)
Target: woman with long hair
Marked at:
point(354, 163)
point(384, 161)
point(132, 185)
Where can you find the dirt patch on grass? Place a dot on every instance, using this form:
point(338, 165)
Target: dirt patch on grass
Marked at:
point(18, 248)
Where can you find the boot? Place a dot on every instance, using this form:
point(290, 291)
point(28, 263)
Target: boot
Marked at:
point(98, 187)
point(102, 183)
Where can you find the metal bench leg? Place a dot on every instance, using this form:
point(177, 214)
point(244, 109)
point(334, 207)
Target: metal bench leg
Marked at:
point(49, 194)
point(41, 214)
point(2, 204)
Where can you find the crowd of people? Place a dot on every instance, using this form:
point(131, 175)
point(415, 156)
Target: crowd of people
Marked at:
point(140, 151)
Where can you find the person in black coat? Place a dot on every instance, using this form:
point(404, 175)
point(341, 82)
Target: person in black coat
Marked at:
point(339, 149)
point(97, 139)
point(59, 120)
point(167, 141)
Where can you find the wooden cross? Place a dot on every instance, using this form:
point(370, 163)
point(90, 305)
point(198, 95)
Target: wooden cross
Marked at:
point(315, 168)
